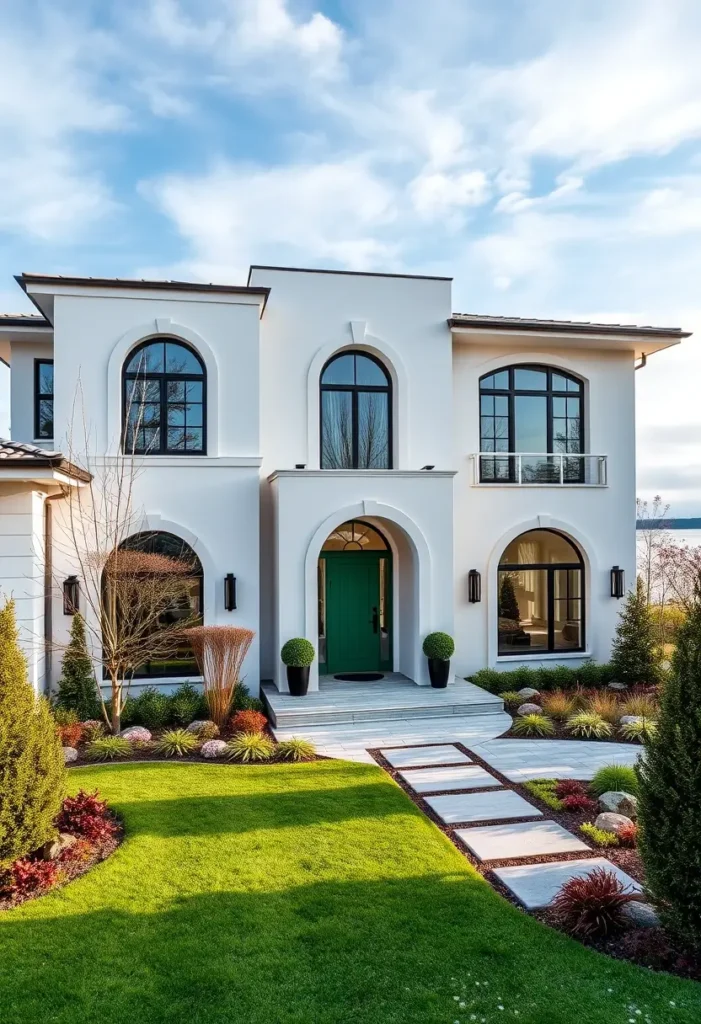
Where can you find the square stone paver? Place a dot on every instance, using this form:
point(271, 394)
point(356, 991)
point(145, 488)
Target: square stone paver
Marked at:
point(536, 885)
point(418, 757)
point(501, 803)
point(442, 780)
point(520, 839)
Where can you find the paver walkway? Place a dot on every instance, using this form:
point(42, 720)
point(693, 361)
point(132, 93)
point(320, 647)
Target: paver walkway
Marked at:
point(465, 794)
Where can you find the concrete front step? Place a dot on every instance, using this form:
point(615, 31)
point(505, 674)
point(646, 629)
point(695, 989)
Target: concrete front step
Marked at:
point(395, 701)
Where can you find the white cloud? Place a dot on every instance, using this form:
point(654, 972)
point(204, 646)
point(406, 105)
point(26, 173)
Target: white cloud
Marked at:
point(436, 194)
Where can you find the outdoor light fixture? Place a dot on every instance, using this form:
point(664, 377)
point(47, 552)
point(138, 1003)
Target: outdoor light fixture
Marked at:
point(474, 586)
point(300, 465)
point(428, 467)
point(230, 592)
point(618, 582)
point(71, 595)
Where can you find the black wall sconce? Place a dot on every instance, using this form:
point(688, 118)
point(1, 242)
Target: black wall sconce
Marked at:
point(618, 582)
point(474, 586)
point(230, 592)
point(71, 595)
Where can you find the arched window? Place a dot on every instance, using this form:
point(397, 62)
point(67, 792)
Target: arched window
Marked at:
point(186, 607)
point(541, 595)
point(165, 400)
point(356, 413)
point(537, 411)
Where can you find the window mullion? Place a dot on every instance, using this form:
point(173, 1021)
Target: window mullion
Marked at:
point(163, 419)
point(551, 608)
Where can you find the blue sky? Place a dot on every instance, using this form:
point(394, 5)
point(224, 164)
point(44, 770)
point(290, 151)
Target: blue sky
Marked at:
point(546, 155)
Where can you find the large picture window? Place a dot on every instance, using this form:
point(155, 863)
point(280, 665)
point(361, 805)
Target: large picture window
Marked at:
point(356, 425)
point(44, 399)
point(534, 410)
point(541, 595)
point(165, 400)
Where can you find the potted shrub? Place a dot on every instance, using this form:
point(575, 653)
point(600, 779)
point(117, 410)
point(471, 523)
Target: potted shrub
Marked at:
point(297, 655)
point(439, 648)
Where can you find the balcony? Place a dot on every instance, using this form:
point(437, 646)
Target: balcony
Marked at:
point(538, 469)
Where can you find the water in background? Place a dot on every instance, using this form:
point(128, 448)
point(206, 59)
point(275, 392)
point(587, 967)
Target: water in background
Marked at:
point(681, 537)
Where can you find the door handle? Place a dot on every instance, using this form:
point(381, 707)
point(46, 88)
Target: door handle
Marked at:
point(375, 620)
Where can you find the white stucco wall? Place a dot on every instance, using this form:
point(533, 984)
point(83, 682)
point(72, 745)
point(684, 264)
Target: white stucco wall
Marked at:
point(600, 519)
point(22, 569)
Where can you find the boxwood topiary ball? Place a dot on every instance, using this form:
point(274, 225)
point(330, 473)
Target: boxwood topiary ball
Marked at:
point(440, 646)
point(297, 653)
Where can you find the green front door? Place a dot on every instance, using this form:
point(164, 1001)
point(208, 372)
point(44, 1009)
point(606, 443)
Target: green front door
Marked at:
point(357, 612)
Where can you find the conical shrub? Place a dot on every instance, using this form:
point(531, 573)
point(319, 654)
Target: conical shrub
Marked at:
point(669, 792)
point(633, 652)
point(76, 687)
point(32, 772)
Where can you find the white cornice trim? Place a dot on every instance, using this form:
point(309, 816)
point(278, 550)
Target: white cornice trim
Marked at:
point(372, 474)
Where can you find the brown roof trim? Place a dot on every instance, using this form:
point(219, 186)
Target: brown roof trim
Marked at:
point(57, 463)
point(562, 326)
point(348, 273)
point(25, 279)
point(23, 320)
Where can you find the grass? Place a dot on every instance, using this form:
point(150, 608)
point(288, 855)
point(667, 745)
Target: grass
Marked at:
point(296, 893)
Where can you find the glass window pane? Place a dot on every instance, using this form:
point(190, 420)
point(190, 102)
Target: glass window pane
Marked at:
point(149, 359)
point(367, 371)
point(340, 370)
point(567, 609)
point(559, 406)
point(46, 378)
point(373, 430)
point(179, 359)
point(559, 382)
point(149, 439)
point(487, 405)
point(487, 427)
point(496, 381)
point(176, 415)
point(573, 385)
point(530, 380)
point(194, 415)
point(336, 430)
point(176, 439)
point(539, 547)
point(523, 611)
point(194, 439)
point(193, 390)
point(175, 390)
point(501, 405)
point(46, 417)
point(531, 426)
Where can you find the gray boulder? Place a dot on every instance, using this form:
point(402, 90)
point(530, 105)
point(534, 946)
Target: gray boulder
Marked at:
point(213, 748)
point(617, 686)
point(619, 802)
point(55, 847)
point(641, 915)
point(530, 709)
point(136, 734)
point(630, 719)
point(528, 692)
point(611, 822)
point(70, 754)
point(201, 725)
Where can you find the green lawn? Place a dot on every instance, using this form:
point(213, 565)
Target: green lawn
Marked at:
point(302, 894)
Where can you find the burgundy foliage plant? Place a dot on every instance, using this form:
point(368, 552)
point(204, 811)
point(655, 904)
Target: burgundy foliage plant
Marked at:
point(592, 906)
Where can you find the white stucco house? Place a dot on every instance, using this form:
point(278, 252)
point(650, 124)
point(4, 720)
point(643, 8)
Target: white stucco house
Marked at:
point(367, 464)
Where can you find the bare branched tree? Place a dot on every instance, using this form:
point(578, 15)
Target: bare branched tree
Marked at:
point(220, 652)
point(653, 537)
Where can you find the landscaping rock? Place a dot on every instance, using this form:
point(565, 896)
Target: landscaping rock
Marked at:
point(630, 719)
point(641, 915)
point(617, 686)
point(201, 725)
point(55, 847)
point(530, 709)
point(528, 692)
point(611, 822)
point(213, 748)
point(619, 803)
point(69, 754)
point(136, 734)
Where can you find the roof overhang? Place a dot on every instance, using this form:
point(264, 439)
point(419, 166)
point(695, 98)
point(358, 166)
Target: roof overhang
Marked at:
point(42, 289)
point(643, 341)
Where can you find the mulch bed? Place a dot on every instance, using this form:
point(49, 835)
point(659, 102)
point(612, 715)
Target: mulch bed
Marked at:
point(562, 734)
point(648, 947)
point(72, 865)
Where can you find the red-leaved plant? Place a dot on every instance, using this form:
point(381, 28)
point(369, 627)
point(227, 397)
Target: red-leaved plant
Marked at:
point(591, 906)
point(70, 735)
point(569, 787)
point(628, 834)
point(87, 817)
point(579, 802)
point(248, 721)
point(28, 877)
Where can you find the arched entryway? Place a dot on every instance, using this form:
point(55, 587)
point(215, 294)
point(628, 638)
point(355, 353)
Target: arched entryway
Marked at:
point(355, 598)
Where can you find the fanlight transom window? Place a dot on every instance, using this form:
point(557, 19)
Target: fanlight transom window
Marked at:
point(356, 413)
point(165, 400)
point(355, 536)
point(541, 595)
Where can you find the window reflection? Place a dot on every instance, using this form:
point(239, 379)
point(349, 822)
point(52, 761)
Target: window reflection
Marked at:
point(355, 413)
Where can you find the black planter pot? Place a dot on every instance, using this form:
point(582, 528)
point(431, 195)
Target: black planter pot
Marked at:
point(438, 670)
point(298, 680)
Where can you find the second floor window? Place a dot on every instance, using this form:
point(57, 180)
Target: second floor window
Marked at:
point(534, 410)
point(356, 417)
point(165, 400)
point(44, 399)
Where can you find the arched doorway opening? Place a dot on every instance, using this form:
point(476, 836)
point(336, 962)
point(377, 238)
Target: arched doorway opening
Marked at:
point(355, 606)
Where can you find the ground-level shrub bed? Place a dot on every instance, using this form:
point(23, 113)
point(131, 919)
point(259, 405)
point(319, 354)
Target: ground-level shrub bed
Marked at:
point(87, 833)
point(300, 893)
point(559, 677)
point(648, 947)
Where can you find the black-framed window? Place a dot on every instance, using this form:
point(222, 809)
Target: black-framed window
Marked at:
point(165, 400)
point(187, 609)
point(356, 413)
point(541, 595)
point(44, 399)
point(533, 409)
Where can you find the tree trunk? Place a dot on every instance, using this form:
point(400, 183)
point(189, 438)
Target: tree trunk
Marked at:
point(116, 705)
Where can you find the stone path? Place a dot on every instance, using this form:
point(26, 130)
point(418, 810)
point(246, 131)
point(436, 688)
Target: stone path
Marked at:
point(443, 778)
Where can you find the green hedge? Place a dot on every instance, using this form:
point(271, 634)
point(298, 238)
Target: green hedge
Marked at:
point(559, 677)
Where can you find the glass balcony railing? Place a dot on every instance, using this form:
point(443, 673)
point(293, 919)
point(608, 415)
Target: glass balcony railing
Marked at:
point(538, 468)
